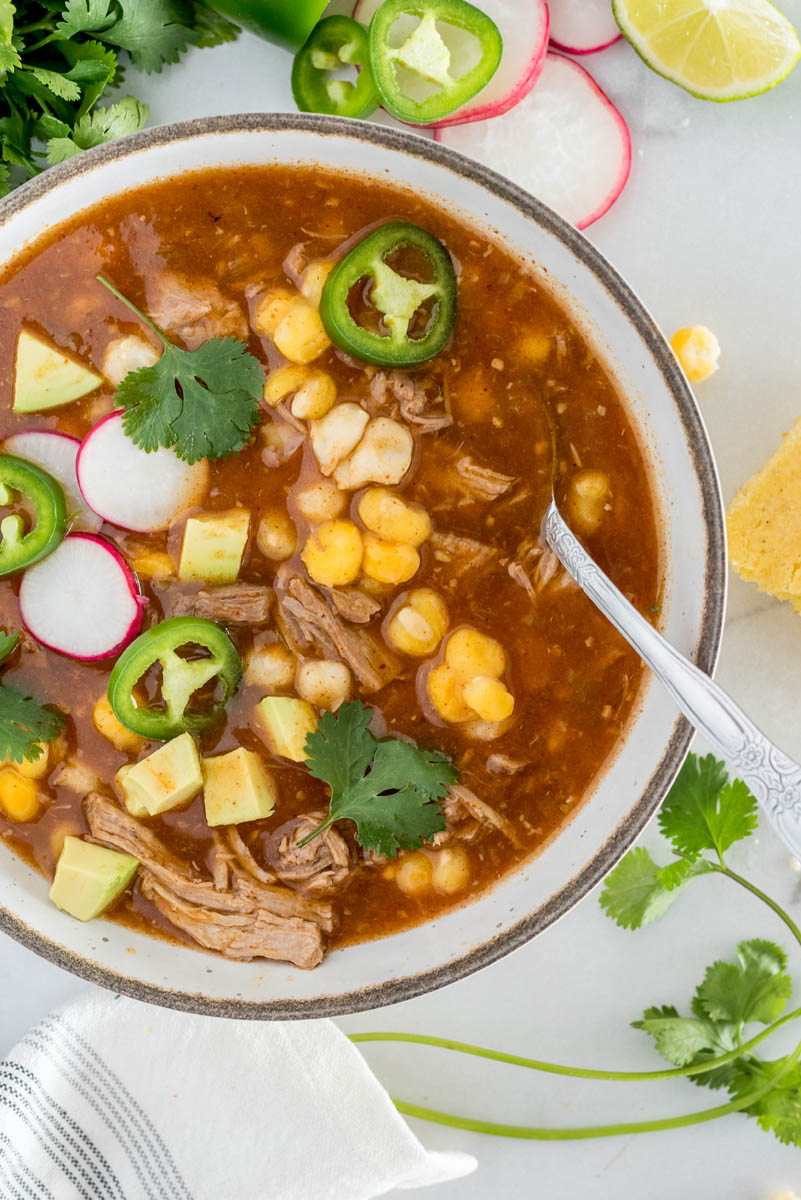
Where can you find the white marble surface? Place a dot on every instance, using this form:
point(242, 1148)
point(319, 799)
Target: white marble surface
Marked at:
point(707, 231)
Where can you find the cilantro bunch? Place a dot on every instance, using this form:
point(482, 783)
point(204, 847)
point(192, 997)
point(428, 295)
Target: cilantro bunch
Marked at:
point(738, 1004)
point(58, 57)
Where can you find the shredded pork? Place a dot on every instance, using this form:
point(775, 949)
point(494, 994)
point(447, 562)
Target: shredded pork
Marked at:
point(233, 604)
point(321, 866)
point(482, 483)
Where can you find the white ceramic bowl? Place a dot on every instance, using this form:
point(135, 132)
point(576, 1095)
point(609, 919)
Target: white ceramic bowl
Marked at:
point(671, 430)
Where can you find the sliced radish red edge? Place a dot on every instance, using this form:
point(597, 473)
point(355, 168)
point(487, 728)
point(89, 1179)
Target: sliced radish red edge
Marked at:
point(57, 453)
point(83, 600)
point(524, 28)
point(566, 143)
point(583, 26)
point(132, 489)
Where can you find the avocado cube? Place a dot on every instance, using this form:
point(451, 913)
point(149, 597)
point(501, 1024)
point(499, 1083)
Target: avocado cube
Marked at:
point(213, 546)
point(167, 778)
point(45, 377)
point(287, 723)
point(238, 788)
point(89, 877)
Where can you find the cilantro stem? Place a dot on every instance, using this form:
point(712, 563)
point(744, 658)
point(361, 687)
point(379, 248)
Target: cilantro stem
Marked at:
point(755, 891)
point(130, 305)
point(538, 1133)
point(549, 1068)
point(316, 832)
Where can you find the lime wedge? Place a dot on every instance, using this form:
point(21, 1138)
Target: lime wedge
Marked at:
point(715, 49)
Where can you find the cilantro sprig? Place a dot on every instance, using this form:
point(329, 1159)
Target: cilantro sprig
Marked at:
point(59, 57)
point(738, 1005)
point(24, 723)
point(202, 403)
point(390, 789)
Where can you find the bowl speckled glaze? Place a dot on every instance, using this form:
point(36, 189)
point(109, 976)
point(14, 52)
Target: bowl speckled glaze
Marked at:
point(671, 430)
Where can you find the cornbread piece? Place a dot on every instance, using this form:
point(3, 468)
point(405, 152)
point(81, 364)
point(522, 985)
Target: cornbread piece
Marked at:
point(764, 524)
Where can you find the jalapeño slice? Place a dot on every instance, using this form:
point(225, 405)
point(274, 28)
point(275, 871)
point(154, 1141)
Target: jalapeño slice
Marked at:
point(22, 480)
point(335, 42)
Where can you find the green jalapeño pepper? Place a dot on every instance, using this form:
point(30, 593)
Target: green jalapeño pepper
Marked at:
point(181, 677)
point(287, 22)
point(405, 73)
point(21, 480)
point(397, 299)
point(336, 42)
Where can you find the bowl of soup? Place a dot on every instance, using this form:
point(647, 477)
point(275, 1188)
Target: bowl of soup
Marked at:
point(365, 549)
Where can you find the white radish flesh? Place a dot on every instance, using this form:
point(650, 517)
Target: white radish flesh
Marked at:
point(566, 143)
point(56, 453)
point(524, 28)
point(82, 601)
point(130, 488)
point(583, 26)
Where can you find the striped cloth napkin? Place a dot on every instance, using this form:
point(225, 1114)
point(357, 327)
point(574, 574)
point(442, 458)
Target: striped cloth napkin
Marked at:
point(112, 1099)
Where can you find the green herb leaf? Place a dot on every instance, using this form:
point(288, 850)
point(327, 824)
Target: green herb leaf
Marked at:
point(210, 29)
point(9, 55)
point(681, 870)
point(394, 805)
point(703, 811)
point(85, 16)
point(25, 725)
point(635, 892)
point(754, 988)
point(8, 644)
point(203, 403)
point(680, 1039)
point(778, 1112)
point(153, 32)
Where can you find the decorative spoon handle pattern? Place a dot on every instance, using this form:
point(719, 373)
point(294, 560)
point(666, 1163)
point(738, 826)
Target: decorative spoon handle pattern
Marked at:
point(773, 777)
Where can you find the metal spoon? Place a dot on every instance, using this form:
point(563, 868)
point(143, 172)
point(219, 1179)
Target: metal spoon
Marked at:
point(773, 778)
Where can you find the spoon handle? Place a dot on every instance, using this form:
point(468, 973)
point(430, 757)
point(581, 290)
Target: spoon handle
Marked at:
point(771, 775)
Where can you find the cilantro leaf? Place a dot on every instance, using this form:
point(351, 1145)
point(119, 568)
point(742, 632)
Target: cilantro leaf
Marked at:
point(84, 16)
point(390, 789)
point(208, 28)
point(92, 129)
point(203, 403)
point(9, 55)
point(25, 725)
point(59, 84)
point(153, 32)
point(638, 891)
point(703, 811)
point(754, 988)
point(779, 1111)
point(680, 1039)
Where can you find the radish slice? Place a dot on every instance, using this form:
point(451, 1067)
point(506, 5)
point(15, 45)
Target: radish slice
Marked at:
point(524, 28)
point(583, 26)
point(133, 489)
point(56, 453)
point(83, 600)
point(566, 143)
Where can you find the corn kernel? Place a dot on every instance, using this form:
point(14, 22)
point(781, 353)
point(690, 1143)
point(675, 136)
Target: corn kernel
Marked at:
point(321, 501)
point(154, 564)
point(445, 693)
point(271, 310)
point(333, 553)
point(315, 397)
point(698, 352)
point(418, 627)
point(489, 698)
point(451, 871)
point(300, 335)
point(106, 722)
point(588, 495)
point(326, 684)
point(313, 281)
point(269, 667)
point(20, 798)
point(470, 653)
point(276, 536)
point(32, 768)
point(389, 562)
point(283, 382)
point(414, 873)
point(391, 517)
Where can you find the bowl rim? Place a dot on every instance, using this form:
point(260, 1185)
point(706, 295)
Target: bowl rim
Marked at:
point(705, 654)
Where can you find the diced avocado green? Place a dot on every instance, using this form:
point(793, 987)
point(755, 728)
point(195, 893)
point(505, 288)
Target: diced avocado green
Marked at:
point(287, 723)
point(45, 377)
point(213, 546)
point(88, 878)
point(238, 788)
point(167, 778)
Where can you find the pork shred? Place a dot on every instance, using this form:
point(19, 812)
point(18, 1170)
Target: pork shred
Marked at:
point(417, 406)
point(247, 919)
point(482, 482)
point(232, 604)
point(194, 312)
point(321, 866)
point(466, 816)
point(308, 619)
point(354, 605)
point(462, 553)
